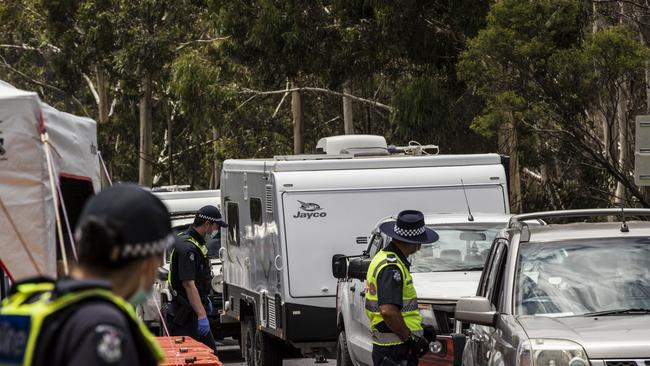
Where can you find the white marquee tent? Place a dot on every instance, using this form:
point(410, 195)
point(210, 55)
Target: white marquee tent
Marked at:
point(28, 229)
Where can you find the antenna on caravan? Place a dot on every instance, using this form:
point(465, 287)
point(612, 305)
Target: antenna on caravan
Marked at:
point(470, 217)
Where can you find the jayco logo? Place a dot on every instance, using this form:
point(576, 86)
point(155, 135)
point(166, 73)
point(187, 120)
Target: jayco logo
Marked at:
point(308, 210)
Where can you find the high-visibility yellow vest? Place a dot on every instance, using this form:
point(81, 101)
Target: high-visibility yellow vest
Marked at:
point(22, 318)
point(409, 310)
point(202, 248)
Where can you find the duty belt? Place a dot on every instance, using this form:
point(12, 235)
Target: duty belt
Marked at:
point(390, 338)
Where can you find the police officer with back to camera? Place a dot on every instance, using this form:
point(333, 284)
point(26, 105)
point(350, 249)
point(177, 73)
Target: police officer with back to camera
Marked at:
point(391, 301)
point(189, 278)
point(88, 318)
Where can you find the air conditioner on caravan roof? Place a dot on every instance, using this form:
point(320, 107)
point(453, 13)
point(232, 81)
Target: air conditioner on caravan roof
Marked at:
point(353, 144)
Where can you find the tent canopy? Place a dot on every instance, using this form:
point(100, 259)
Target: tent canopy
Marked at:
point(27, 215)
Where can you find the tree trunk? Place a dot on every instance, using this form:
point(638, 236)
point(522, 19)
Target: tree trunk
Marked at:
point(170, 145)
point(298, 127)
point(214, 179)
point(623, 141)
point(102, 93)
point(515, 176)
point(348, 123)
point(145, 177)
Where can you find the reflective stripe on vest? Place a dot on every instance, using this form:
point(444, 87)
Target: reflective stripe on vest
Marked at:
point(21, 321)
point(202, 248)
point(410, 313)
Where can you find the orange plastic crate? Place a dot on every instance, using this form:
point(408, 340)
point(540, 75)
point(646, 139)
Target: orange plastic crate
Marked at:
point(183, 350)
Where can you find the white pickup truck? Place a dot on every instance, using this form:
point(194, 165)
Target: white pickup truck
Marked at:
point(443, 272)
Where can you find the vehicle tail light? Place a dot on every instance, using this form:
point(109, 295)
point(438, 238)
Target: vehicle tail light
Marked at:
point(444, 352)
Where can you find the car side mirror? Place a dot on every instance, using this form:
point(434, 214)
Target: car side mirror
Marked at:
point(476, 310)
point(339, 266)
point(358, 267)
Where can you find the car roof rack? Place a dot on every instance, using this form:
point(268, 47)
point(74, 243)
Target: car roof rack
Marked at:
point(580, 213)
point(525, 231)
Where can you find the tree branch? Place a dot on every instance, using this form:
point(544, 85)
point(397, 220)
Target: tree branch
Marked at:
point(92, 88)
point(6, 65)
point(185, 44)
point(320, 90)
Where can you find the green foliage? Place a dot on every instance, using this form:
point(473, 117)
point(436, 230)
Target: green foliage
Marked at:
point(538, 62)
point(454, 72)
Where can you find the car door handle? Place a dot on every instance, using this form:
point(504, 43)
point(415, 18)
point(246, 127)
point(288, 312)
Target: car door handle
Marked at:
point(353, 287)
point(362, 294)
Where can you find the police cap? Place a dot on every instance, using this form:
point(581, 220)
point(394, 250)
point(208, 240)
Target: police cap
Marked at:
point(212, 214)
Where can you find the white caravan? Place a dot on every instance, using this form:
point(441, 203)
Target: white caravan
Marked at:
point(289, 215)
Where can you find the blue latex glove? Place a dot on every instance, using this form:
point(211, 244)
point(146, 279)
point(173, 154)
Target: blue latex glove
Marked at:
point(204, 327)
point(209, 307)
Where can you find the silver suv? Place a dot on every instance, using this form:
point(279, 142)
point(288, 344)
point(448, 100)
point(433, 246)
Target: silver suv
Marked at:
point(563, 294)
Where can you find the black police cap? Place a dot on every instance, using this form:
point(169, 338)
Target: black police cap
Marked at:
point(211, 213)
point(139, 219)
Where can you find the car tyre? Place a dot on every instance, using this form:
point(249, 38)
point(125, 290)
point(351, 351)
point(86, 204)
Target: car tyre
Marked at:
point(343, 357)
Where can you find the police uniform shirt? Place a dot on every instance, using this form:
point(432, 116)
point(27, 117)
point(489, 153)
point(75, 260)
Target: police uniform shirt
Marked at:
point(96, 333)
point(390, 280)
point(189, 264)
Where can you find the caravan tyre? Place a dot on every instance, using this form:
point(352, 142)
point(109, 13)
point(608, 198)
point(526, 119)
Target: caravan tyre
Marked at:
point(268, 351)
point(342, 353)
point(247, 341)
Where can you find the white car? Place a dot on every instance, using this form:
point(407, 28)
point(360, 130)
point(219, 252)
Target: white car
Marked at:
point(443, 272)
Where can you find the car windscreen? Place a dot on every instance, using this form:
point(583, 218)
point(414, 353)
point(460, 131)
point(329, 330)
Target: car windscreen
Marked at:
point(459, 248)
point(581, 277)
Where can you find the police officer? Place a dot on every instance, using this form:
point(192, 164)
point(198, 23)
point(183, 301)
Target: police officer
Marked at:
point(190, 276)
point(88, 319)
point(391, 301)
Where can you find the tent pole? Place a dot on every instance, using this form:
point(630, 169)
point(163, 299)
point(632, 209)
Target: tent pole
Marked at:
point(55, 196)
point(101, 160)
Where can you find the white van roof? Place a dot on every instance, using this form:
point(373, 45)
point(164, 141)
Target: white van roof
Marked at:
point(188, 202)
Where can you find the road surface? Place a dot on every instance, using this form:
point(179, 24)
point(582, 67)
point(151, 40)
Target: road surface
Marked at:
point(228, 352)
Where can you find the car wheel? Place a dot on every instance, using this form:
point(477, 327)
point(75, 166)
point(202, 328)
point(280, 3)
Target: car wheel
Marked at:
point(267, 350)
point(342, 353)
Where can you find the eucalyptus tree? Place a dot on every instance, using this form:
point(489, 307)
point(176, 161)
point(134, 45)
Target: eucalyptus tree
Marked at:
point(542, 72)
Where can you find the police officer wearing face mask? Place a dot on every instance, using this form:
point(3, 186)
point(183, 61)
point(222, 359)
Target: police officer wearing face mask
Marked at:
point(391, 301)
point(189, 278)
point(88, 318)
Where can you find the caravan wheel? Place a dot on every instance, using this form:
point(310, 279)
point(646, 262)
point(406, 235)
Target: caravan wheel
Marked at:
point(247, 341)
point(268, 351)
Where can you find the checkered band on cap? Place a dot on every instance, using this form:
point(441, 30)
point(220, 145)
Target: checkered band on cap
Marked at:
point(206, 217)
point(138, 250)
point(409, 232)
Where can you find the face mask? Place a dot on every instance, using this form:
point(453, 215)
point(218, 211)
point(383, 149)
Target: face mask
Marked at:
point(140, 296)
point(212, 235)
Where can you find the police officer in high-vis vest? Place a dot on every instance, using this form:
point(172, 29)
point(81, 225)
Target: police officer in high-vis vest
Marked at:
point(391, 301)
point(190, 276)
point(88, 318)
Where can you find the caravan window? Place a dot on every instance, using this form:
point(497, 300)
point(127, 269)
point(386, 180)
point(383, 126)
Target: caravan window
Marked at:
point(233, 223)
point(256, 210)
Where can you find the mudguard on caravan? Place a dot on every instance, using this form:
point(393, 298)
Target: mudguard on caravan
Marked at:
point(288, 216)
